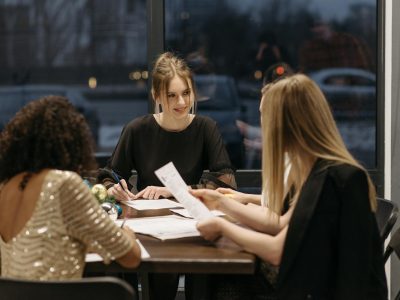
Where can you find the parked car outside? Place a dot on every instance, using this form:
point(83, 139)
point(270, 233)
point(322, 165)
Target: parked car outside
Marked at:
point(350, 92)
point(13, 98)
point(218, 99)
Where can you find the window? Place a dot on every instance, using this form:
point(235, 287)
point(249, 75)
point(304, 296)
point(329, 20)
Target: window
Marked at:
point(92, 51)
point(334, 42)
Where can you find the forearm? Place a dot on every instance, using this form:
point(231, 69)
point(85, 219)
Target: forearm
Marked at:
point(252, 198)
point(253, 216)
point(268, 248)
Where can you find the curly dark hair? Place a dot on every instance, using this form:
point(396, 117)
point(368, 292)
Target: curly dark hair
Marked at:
point(46, 133)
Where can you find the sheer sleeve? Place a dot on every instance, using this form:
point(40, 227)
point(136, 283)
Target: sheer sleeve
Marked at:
point(219, 163)
point(86, 221)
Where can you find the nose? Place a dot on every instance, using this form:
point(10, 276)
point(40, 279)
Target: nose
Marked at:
point(181, 99)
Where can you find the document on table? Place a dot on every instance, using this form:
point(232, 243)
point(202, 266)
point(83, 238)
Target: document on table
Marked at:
point(93, 257)
point(152, 204)
point(171, 178)
point(184, 212)
point(164, 227)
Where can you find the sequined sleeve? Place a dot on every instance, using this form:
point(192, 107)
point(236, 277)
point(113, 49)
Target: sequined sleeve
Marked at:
point(85, 220)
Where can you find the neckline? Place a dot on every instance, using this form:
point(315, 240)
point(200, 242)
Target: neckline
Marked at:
point(23, 229)
point(153, 117)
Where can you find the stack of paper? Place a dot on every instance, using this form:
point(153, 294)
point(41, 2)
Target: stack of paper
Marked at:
point(152, 204)
point(164, 227)
point(185, 213)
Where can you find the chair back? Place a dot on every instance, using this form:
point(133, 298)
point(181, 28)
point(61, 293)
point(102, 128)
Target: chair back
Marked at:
point(386, 216)
point(393, 246)
point(96, 288)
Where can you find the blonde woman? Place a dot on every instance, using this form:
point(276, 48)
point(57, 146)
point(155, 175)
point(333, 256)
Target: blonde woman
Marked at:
point(319, 228)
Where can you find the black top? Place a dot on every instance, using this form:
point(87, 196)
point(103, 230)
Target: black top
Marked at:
point(333, 249)
point(145, 146)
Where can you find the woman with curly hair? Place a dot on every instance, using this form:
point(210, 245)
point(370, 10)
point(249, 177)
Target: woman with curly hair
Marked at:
point(48, 216)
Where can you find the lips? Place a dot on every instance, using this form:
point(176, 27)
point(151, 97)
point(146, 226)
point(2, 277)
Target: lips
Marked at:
point(180, 110)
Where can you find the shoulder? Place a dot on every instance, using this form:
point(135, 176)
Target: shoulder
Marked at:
point(63, 177)
point(140, 122)
point(204, 121)
point(345, 174)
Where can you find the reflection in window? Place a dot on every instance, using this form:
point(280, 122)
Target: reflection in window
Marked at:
point(92, 51)
point(332, 41)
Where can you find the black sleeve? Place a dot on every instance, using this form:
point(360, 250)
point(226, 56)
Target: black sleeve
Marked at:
point(218, 158)
point(122, 160)
point(355, 238)
point(221, 170)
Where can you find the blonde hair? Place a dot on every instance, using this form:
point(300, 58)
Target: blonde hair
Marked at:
point(166, 67)
point(296, 119)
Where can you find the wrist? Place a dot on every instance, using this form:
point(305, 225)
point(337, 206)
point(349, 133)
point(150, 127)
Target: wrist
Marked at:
point(220, 225)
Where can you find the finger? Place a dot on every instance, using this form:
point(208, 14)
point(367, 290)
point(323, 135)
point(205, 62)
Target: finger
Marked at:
point(140, 194)
point(116, 191)
point(131, 195)
point(157, 195)
point(151, 194)
point(224, 190)
point(123, 182)
point(146, 193)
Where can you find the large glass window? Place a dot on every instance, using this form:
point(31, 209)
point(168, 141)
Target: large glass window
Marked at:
point(92, 51)
point(233, 46)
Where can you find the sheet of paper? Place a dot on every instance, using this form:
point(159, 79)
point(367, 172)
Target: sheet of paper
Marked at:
point(152, 204)
point(93, 257)
point(184, 212)
point(164, 227)
point(171, 178)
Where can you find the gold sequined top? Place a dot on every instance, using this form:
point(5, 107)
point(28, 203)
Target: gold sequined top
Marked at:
point(66, 222)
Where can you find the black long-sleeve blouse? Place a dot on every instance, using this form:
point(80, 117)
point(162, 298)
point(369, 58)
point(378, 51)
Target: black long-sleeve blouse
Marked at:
point(145, 146)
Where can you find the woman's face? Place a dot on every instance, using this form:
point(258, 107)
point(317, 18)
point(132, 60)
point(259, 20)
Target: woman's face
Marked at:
point(177, 102)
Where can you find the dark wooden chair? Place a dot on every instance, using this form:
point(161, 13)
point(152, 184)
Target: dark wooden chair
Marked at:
point(96, 288)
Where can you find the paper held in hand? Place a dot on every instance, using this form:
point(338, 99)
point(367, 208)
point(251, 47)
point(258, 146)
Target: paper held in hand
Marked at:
point(171, 178)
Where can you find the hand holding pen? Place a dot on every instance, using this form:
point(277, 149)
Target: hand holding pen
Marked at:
point(120, 190)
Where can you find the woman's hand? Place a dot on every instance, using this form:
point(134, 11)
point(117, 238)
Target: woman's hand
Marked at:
point(119, 193)
point(240, 197)
point(211, 198)
point(210, 228)
point(153, 192)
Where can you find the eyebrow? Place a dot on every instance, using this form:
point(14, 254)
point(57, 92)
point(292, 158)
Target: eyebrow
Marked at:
point(185, 90)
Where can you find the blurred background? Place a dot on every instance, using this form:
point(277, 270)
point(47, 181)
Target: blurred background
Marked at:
point(95, 53)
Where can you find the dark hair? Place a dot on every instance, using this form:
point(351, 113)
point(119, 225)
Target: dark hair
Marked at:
point(46, 133)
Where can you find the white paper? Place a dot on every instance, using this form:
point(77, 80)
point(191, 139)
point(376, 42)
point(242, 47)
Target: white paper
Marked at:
point(93, 257)
point(152, 204)
point(164, 227)
point(184, 212)
point(171, 178)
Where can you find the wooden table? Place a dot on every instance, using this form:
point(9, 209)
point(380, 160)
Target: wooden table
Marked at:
point(186, 255)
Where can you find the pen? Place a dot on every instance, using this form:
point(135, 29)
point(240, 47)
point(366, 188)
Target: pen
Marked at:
point(123, 223)
point(116, 177)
